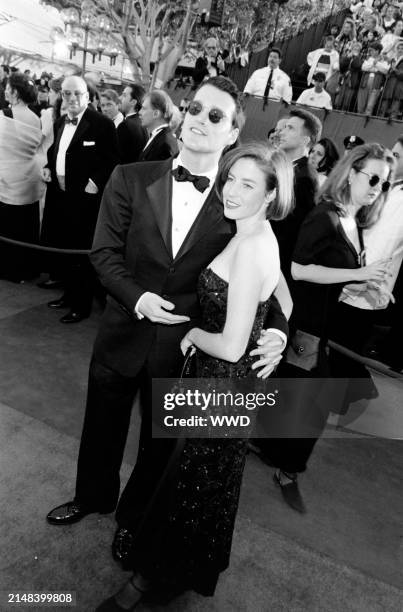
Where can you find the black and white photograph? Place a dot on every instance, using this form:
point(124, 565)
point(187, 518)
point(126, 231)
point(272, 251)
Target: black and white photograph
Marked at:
point(201, 305)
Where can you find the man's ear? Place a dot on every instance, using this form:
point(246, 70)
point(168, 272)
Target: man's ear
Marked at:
point(234, 136)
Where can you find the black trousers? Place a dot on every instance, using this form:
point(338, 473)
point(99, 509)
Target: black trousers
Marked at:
point(106, 424)
point(19, 222)
point(69, 221)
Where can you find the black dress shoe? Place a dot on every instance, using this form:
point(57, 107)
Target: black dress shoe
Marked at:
point(50, 284)
point(291, 493)
point(122, 545)
point(68, 513)
point(71, 512)
point(58, 304)
point(74, 317)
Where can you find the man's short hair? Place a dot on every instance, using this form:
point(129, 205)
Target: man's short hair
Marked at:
point(329, 37)
point(111, 95)
point(225, 84)
point(276, 50)
point(376, 46)
point(312, 125)
point(160, 101)
point(137, 92)
point(319, 76)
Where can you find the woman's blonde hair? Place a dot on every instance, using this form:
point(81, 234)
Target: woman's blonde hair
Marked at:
point(336, 189)
point(278, 171)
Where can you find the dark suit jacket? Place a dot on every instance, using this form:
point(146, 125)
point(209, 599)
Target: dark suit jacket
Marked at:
point(163, 146)
point(69, 218)
point(305, 187)
point(132, 137)
point(92, 153)
point(132, 254)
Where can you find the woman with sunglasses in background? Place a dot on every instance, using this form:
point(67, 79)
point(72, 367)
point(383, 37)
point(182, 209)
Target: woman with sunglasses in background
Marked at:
point(329, 254)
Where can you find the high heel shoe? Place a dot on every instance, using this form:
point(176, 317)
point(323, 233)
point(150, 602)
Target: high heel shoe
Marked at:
point(290, 490)
point(111, 604)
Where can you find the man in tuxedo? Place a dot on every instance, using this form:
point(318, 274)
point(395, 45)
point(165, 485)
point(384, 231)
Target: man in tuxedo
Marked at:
point(299, 132)
point(155, 115)
point(80, 161)
point(132, 136)
point(160, 224)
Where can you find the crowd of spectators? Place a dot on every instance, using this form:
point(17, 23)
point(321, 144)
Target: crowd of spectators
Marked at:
point(362, 64)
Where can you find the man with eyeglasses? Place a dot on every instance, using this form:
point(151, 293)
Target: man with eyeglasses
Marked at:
point(384, 240)
point(210, 64)
point(80, 161)
point(160, 224)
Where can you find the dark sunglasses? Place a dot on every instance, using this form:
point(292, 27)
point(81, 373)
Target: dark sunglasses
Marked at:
point(374, 180)
point(215, 114)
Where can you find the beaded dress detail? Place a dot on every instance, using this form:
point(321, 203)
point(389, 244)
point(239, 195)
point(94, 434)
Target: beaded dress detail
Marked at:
point(189, 544)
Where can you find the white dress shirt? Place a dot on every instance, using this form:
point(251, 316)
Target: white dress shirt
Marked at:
point(65, 140)
point(381, 241)
point(117, 120)
point(280, 86)
point(187, 202)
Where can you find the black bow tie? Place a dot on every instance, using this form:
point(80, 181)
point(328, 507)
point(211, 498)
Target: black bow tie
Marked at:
point(180, 174)
point(72, 121)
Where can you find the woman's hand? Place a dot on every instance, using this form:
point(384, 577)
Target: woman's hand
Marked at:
point(375, 272)
point(187, 342)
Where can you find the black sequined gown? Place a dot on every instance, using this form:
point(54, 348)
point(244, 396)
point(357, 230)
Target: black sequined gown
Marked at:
point(187, 541)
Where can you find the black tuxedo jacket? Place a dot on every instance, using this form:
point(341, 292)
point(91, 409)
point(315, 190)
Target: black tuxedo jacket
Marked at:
point(132, 254)
point(305, 187)
point(163, 146)
point(92, 153)
point(132, 137)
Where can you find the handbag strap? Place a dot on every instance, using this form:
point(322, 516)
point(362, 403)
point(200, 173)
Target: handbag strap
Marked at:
point(362, 255)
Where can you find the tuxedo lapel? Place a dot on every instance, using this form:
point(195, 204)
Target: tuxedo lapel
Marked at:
point(155, 141)
point(81, 128)
point(210, 214)
point(160, 195)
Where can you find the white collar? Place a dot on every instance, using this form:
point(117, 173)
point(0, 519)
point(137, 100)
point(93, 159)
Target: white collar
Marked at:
point(158, 129)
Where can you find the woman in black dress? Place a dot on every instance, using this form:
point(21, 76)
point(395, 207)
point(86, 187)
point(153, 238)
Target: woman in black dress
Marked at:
point(328, 255)
point(185, 541)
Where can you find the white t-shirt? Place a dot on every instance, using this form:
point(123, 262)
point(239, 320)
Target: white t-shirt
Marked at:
point(310, 97)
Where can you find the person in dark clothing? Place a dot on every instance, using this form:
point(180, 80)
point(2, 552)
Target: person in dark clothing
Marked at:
point(211, 63)
point(328, 254)
point(80, 161)
point(132, 136)
point(296, 136)
point(156, 114)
